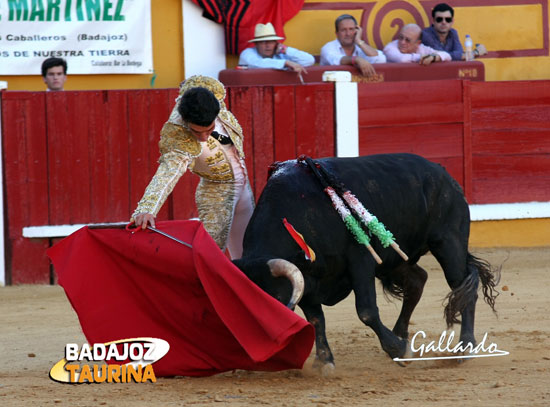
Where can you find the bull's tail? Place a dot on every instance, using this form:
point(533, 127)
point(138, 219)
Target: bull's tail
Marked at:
point(391, 288)
point(459, 298)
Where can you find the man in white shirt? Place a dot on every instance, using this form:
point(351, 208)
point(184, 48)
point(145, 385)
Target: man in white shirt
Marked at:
point(269, 53)
point(409, 48)
point(349, 49)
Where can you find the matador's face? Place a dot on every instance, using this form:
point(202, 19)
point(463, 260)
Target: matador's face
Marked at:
point(201, 132)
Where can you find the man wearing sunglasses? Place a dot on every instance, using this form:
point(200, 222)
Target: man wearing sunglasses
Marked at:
point(443, 37)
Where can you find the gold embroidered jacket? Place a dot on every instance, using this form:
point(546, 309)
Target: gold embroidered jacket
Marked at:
point(180, 150)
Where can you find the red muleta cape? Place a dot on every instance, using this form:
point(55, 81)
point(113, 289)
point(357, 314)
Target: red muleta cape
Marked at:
point(127, 285)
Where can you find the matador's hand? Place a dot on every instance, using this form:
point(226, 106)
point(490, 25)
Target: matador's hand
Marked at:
point(143, 219)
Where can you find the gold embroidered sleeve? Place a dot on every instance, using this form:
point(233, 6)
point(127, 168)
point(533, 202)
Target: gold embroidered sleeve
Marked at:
point(175, 138)
point(172, 166)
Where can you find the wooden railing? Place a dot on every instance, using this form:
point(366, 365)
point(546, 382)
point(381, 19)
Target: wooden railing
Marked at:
point(388, 72)
point(86, 157)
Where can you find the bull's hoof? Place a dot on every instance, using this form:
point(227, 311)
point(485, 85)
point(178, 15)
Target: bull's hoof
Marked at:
point(463, 360)
point(471, 343)
point(324, 368)
point(407, 355)
point(328, 369)
point(317, 364)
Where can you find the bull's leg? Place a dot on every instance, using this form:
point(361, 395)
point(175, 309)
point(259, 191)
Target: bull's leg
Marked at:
point(323, 355)
point(362, 271)
point(451, 254)
point(412, 278)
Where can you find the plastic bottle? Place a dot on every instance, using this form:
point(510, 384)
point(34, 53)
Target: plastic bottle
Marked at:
point(468, 44)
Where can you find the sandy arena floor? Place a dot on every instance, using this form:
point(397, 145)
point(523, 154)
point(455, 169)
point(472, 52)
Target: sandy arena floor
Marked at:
point(37, 321)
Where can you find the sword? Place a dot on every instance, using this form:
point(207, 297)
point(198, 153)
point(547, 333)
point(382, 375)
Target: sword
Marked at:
point(169, 236)
point(127, 226)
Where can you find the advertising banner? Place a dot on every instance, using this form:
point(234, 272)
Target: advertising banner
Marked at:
point(93, 36)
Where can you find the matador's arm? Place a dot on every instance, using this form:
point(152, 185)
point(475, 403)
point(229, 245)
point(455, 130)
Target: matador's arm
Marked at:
point(177, 151)
point(171, 167)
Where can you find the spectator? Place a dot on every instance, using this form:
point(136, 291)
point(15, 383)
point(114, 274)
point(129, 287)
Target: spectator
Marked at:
point(408, 48)
point(54, 73)
point(349, 49)
point(443, 37)
point(269, 53)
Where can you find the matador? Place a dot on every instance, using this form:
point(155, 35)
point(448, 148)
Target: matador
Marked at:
point(212, 149)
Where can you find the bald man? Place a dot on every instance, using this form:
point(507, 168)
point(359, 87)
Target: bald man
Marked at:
point(408, 48)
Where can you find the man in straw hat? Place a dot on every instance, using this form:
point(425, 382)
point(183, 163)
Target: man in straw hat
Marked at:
point(269, 53)
point(202, 135)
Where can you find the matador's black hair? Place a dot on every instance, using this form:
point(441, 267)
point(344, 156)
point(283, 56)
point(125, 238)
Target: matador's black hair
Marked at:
point(199, 106)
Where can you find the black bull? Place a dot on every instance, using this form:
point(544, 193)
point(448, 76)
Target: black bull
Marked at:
point(417, 200)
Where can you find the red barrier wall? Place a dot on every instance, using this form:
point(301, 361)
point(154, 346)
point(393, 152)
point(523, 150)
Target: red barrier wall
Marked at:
point(424, 118)
point(510, 141)
point(493, 137)
point(285, 122)
point(86, 157)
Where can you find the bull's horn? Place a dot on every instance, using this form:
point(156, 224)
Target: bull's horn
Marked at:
point(283, 268)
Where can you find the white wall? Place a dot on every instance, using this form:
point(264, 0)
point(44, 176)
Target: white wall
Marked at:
point(346, 106)
point(203, 43)
point(2, 256)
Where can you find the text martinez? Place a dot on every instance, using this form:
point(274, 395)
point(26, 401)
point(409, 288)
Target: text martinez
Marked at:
point(69, 10)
